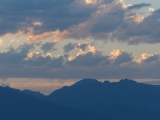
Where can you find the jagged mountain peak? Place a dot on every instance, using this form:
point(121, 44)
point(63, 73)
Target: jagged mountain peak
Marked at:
point(127, 81)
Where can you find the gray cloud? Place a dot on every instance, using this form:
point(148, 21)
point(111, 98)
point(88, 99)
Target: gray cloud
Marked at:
point(48, 47)
point(138, 6)
point(9, 59)
point(25, 48)
point(102, 20)
point(4, 83)
point(145, 32)
point(153, 58)
point(82, 46)
point(89, 64)
point(108, 22)
point(69, 47)
point(53, 14)
point(124, 58)
point(89, 59)
point(59, 62)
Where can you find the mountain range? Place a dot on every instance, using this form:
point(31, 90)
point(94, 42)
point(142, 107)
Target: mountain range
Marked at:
point(87, 99)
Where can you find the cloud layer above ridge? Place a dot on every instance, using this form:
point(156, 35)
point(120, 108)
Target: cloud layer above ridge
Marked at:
point(88, 62)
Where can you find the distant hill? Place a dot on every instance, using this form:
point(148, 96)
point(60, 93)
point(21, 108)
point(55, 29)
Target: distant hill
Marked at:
point(17, 105)
point(123, 100)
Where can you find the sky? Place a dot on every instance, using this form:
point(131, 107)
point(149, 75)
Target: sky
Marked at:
point(47, 44)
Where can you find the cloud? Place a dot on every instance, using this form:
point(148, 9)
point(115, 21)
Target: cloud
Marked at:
point(27, 13)
point(90, 63)
point(148, 58)
point(33, 55)
point(83, 46)
point(72, 19)
point(4, 83)
point(120, 56)
point(69, 47)
point(151, 10)
point(106, 19)
point(48, 47)
point(1, 42)
point(138, 6)
point(25, 48)
point(89, 59)
point(40, 22)
point(11, 59)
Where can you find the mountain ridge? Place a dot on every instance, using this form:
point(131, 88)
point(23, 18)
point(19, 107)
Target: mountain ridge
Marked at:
point(104, 97)
point(86, 99)
point(17, 105)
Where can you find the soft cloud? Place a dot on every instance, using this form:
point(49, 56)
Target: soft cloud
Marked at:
point(83, 46)
point(4, 84)
point(89, 59)
point(48, 47)
point(138, 6)
point(72, 19)
point(25, 48)
point(151, 10)
point(90, 63)
point(50, 13)
point(34, 55)
point(37, 23)
point(145, 58)
point(120, 56)
point(38, 38)
point(69, 47)
point(1, 42)
point(137, 18)
point(45, 23)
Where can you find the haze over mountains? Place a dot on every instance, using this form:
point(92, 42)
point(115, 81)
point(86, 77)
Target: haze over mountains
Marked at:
point(87, 99)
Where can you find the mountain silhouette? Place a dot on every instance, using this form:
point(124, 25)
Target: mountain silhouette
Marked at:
point(17, 105)
point(123, 100)
point(87, 99)
point(34, 93)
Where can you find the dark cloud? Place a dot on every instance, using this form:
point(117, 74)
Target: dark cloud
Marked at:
point(25, 48)
point(39, 61)
point(157, 11)
point(146, 31)
point(83, 46)
point(138, 6)
point(124, 58)
point(89, 59)
point(59, 62)
point(102, 20)
point(11, 59)
point(48, 47)
point(117, 22)
point(69, 47)
point(88, 64)
point(108, 22)
point(150, 59)
point(18, 14)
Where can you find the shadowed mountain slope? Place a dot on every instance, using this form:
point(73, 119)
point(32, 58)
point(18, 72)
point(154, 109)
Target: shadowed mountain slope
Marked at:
point(87, 99)
point(17, 105)
point(125, 99)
